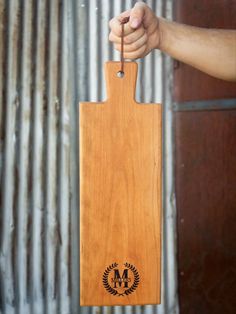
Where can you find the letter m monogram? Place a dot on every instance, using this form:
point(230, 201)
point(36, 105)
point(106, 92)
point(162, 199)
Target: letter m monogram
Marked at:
point(118, 279)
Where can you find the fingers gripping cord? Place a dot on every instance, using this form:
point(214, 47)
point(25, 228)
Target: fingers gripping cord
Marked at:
point(122, 22)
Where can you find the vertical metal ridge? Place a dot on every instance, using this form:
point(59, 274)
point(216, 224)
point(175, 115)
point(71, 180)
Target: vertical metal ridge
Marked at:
point(74, 154)
point(127, 5)
point(36, 183)
point(64, 166)
point(30, 187)
point(117, 9)
point(99, 49)
point(105, 51)
point(53, 237)
point(153, 63)
point(8, 189)
point(139, 89)
point(111, 50)
point(93, 48)
point(157, 62)
point(81, 37)
point(43, 222)
point(3, 23)
point(4, 74)
point(23, 157)
point(169, 291)
point(16, 182)
point(147, 69)
point(167, 124)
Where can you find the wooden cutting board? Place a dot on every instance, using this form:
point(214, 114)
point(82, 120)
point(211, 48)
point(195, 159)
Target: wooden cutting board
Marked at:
point(120, 195)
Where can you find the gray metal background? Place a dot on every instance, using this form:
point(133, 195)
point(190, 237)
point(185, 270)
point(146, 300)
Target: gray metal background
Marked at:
point(51, 57)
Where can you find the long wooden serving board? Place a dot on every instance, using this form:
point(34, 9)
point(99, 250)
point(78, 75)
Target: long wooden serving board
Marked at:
point(120, 195)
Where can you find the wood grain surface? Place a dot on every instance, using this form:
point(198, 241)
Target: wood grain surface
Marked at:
point(120, 195)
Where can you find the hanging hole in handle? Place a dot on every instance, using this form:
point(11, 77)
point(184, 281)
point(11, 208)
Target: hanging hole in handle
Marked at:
point(120, 74)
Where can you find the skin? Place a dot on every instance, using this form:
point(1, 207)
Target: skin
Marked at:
point(212, 51)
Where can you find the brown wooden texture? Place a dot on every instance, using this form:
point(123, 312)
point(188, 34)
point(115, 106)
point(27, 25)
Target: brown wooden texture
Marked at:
point(206, 207)
point(120, 192)
point(192, 84)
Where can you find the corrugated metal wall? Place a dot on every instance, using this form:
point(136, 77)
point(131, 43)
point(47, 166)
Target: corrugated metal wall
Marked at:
point(51, 56)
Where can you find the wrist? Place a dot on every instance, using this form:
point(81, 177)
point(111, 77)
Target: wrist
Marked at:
point(162, 34)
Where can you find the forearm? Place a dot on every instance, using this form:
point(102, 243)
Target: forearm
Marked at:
point(209, 50)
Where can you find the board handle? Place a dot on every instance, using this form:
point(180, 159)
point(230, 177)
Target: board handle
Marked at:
point(121, 86)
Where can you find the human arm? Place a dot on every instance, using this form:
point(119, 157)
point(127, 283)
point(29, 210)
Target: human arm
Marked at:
point(212, 51)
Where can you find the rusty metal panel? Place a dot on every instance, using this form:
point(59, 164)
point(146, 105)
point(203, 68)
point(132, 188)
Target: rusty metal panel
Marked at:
point(189, 83)
point(206, 203)
point(51, 57)
point(205, 173)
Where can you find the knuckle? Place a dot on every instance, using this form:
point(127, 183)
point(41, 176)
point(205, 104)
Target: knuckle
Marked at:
point(142, 50)
point(135, 45)
point(127, 48)
point(139, 53)
point(141, 31)
point(118, 30)
point(114, 26)
point(128, 40)
point(128, 55)
point(145, 37)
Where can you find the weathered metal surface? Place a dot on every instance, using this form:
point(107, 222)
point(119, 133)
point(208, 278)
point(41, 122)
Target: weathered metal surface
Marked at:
point(208, 14)
point(51, 57)
point(205, 150)
point(215, 104)
point(206, 203)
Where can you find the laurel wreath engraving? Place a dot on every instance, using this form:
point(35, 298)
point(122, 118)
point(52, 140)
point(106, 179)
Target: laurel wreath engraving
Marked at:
point(136, 279)
point(105, 279)
point(113, 291)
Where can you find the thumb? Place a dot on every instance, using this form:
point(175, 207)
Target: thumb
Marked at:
point(137, 14)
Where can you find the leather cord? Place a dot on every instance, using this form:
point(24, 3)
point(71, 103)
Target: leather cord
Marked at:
point(122, 22)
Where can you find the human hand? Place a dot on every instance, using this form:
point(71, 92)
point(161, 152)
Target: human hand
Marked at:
point(141, 33)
